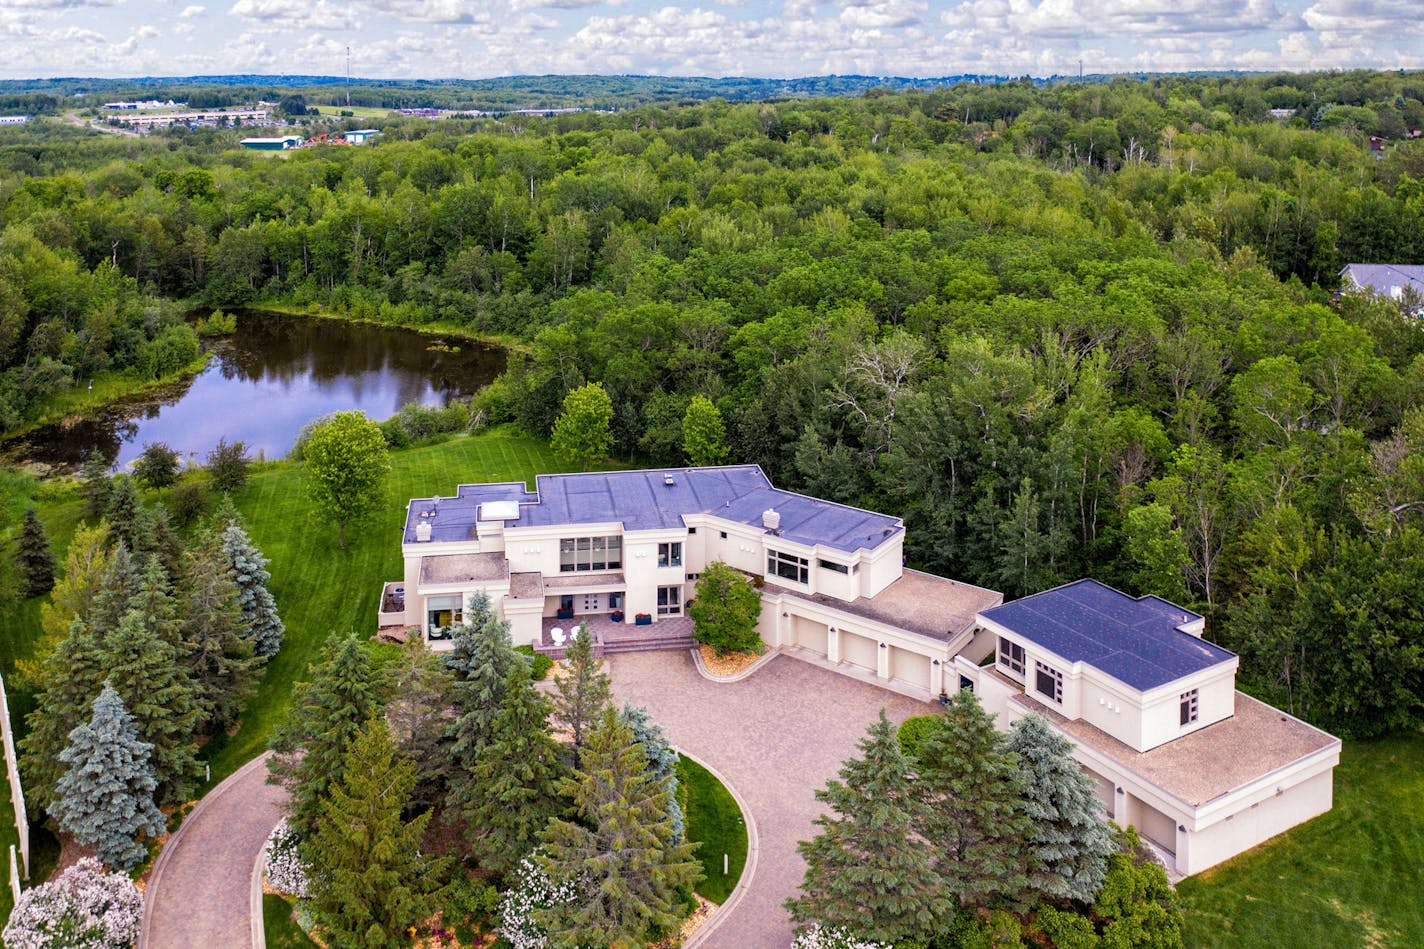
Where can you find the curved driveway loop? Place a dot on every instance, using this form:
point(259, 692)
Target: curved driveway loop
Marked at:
point(778, 736)
point(200, 892)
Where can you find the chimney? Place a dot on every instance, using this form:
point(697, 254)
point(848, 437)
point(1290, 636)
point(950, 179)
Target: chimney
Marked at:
point(422, 531)
point(770, 519)
point(668, 479)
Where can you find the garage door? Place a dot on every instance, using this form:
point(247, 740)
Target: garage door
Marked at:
point(858, 651)
point(810, 635)
point(1155, 826)
point(909, 667)
point(1104, 789)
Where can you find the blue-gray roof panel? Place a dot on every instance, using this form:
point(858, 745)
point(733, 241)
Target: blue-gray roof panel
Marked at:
point(1136, 641)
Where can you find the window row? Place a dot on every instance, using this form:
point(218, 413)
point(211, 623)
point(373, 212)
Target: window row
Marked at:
point(577, 554)
point(788, 566)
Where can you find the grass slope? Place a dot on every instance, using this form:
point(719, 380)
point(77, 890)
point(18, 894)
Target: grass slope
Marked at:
point(1347, 878)
point(279, 926)
point(713, 820)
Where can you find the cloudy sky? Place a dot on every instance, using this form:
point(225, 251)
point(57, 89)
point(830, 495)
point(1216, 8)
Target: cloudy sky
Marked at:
point(779, 38)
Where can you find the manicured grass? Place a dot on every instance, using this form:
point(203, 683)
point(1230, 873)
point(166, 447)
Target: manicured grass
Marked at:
point(279, 925)
point(1348, 878)
point(713, 820)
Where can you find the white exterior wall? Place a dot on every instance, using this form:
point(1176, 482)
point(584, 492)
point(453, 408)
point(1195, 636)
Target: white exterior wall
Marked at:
point(1257, 822)
point(883, 566)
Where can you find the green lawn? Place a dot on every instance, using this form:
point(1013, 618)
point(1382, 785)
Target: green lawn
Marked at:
point(1349, 878)
point(713, 820)
point(280, 927)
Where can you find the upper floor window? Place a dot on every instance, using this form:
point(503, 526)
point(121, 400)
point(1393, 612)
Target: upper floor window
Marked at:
point(670, 555)
point(577, 554)
point(1048, 682)
point(787, 566)
point(837, 567)
point(1011, 656)
point(1189, 706)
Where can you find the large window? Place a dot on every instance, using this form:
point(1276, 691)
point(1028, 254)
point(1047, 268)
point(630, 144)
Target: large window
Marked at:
point(577, 554)
point(669, 601)
point(787, 566)
point(1011, 656)
point(1048, 682)
point(1189, 707)
point(443, 612)
point(837, 567)
point(670, 555)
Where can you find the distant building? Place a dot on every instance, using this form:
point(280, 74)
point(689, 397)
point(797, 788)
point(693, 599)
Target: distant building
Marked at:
point(1282, 115)
point(361, 136)
point(422, 113)
point(145, 104)
point(1392, 281)
point(273, 144)
point(14, 119)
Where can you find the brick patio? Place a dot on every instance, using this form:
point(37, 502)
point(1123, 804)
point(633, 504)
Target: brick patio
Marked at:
point(609, 638)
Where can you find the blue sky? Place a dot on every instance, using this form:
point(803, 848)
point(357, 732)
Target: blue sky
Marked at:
point(483, 38)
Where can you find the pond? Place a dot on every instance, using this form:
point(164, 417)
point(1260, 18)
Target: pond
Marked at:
point(265, 382)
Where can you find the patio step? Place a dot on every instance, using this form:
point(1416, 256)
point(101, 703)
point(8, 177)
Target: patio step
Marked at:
point(647, 644)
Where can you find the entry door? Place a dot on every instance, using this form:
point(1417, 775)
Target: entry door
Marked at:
point(592, 603)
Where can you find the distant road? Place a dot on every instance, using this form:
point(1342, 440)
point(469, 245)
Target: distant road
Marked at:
point(75, 120)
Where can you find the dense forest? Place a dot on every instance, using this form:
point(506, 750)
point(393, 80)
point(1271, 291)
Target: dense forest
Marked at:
point(1065, 330)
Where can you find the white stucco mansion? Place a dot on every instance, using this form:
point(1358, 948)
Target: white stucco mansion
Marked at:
point(1203, 771)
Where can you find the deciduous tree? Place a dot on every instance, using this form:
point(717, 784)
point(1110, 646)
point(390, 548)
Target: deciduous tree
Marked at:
point(704, 433)
point(725, 610)
point(346, 467)
point(581, 434)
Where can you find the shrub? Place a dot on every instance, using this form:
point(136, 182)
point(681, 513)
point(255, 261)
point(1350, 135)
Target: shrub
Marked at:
point(913, 731)
point(532, 891)
point(1067, 930)
point(539, 664)
point(227, 465)
point(820, 937)
point(286, 871)
point(188, 502)
point(83, 908)
point(157, 467)
point(216, 323)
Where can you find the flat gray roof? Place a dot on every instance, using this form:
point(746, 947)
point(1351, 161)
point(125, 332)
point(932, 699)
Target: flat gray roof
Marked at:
point(1386, 279)
point(917, 602)
point(463, 568)
point(645, 500)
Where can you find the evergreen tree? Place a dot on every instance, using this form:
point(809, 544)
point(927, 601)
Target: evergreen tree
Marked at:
point(95, 483)
point(661, 758)
point(105, 799)
point(124, 512)
point(146, 665)
point(326, 715)
point(583, 690)
point(33, 557)
point(865, 870)
point(481, 661)
point(1068, 845)
point(121, 584)
point(85, 564)
point(72, 676)
point(370, 883)
point(220, 657)
point(158, 539)
point(514, 785)
point(259, 609)
point(973, 818)
point(621, 853)
point(418, 688)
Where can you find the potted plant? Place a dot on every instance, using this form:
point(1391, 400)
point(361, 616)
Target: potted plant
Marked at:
point(643, 619)
point(616, 616)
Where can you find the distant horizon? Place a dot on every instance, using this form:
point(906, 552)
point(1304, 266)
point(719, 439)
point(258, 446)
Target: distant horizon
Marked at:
point(488, 39)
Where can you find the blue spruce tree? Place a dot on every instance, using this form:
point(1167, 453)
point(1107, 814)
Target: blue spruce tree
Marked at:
point(259, 610)
point(105, 799)
point(662, 760)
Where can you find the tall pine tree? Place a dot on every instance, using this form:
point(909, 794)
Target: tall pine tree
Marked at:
point(122, 580)
point(124, 512)
point(866, 871)
point(72, 676)
point(514, 785)
point(105, 798)
point(259, 609)
point(661, 758)
point(481, 661)
point(159, 540)
point(973, 818)
point(370, 881)
point(326, 715)
point(621, 853)
point(583, 691)
point(417, 689)
point(85, 563)
point(33, 556)
point(1068, 845)
point(95, 483)
point(219, 656)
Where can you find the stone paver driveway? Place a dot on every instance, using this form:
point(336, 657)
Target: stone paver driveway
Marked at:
point(777, 736)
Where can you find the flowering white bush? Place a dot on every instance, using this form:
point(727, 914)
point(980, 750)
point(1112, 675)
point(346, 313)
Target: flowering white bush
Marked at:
point(285, 870)
point(83, 908)
point(532, 891)
point(819, 937)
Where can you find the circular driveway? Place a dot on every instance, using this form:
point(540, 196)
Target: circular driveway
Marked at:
point(778, 736)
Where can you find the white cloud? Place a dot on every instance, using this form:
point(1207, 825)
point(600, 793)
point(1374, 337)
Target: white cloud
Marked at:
point(190, 12)
point(295, 15)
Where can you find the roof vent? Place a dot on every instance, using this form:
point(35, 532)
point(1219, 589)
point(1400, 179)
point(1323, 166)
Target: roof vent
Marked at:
point(668, 479)
point(422, 531)
point(771, 519)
